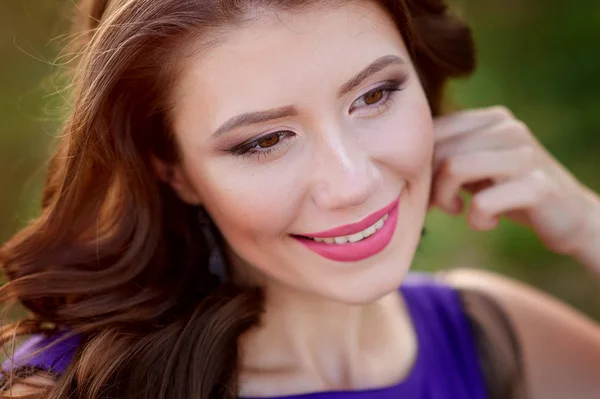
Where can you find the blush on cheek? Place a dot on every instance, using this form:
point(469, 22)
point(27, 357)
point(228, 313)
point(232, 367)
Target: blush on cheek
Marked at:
point(413, 151)
point(406, 142)
point(247, 207)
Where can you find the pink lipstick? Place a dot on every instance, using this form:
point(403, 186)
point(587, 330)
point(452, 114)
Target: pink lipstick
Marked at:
point(356, 241)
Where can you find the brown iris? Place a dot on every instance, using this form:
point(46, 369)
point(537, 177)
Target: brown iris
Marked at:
point(268, 141)
point(373, 97)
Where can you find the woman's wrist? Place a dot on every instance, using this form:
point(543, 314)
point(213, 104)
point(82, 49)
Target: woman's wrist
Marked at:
point(588, 250)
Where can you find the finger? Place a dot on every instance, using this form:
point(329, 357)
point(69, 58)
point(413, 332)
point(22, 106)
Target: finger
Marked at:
point(504, 135)
point(520, 194)
point(478, 186)
point(463, 122)
point(471, 168)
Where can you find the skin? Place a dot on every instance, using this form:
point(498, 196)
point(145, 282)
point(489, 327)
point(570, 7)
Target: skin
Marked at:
point(329, 325)
point(496, 157)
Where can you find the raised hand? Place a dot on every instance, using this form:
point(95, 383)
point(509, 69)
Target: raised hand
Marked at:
point(496, 158)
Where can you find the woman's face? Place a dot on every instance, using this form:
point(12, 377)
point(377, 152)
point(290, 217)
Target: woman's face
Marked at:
point(308, 139)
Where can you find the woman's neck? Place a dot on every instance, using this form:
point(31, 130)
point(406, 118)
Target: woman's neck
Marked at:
point(309, 343)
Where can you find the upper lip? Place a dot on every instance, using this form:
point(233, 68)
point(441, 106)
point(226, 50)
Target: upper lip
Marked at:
point(356, 227)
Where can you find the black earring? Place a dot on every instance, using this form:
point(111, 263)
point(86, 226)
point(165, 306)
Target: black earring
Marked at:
point(216, 262)
point(203, 217)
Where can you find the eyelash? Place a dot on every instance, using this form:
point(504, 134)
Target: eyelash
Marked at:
point(388, 89)
point(252, 148)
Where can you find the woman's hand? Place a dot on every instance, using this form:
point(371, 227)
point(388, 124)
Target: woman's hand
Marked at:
point(495, 157)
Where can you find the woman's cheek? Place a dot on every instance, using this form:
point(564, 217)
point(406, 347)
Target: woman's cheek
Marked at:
point(247, 199)
point(404, 142)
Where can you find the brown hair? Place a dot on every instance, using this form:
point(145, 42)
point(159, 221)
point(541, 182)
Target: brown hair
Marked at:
point(115, 256)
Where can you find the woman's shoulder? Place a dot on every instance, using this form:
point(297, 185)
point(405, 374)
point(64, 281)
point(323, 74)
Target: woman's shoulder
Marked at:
point(559, 343)
point(524, 304)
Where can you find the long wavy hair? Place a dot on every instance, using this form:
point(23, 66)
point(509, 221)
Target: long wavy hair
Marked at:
point(115, 256)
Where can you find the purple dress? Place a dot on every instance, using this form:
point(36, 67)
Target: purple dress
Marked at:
point(446, 367)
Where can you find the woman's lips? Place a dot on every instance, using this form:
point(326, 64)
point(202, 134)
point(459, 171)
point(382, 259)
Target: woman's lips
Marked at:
point(354, 228)
point(362, 249)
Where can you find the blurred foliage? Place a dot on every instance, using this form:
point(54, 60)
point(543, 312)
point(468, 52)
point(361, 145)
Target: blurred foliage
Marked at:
point(538, 57)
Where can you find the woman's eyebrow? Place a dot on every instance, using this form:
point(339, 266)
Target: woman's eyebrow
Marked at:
point(254, 117)
point(374, 67)
point(265, 116)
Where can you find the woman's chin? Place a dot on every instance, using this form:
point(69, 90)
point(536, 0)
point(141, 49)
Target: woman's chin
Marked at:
point(371, 285)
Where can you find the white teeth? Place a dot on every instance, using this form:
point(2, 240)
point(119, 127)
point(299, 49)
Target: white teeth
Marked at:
point(341, 240)
point(369, 231)
point(355, 237)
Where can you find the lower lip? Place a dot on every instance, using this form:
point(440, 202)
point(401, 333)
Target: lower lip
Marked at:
point(363, 249)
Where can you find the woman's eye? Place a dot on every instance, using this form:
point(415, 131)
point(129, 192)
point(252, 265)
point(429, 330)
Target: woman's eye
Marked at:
point(265, 145)
point(268, 141)
point(373, 97)
point(376, 99)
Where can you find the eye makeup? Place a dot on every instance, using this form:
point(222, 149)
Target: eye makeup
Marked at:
point(264, 145)
point(374, 102)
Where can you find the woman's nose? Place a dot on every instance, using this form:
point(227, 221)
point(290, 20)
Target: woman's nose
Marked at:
point(344, 176)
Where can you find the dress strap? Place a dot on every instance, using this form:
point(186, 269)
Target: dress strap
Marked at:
point(481, 330)
point(498, 346)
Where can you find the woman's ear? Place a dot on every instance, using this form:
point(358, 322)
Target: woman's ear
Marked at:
point(174, 175)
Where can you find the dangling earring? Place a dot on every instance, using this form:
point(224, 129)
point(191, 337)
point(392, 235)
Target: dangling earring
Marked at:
point(205, 224)
point(216, 263)
point(203, 218)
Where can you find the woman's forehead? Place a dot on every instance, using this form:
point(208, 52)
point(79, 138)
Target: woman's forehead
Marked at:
point(329, 32)
point(276, 54)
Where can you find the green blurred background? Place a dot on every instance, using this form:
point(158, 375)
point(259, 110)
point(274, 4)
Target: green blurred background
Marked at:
point(541, 58)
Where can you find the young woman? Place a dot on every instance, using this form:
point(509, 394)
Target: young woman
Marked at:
point(235, 204)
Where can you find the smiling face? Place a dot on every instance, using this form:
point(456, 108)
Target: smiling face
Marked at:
point(302, 134)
